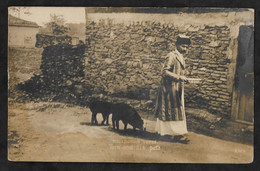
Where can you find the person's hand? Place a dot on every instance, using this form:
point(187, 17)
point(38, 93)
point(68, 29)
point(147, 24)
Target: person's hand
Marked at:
point(187, 81)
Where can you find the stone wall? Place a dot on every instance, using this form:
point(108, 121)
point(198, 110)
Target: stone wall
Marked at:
point(125, 61)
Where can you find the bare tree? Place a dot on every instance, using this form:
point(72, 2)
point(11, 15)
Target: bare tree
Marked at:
point(18, 10)
point(57, 25)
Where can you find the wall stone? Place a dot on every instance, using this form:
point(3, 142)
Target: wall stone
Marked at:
point(125, 60)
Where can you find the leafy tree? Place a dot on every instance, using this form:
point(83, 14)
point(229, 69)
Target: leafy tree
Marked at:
point(57, 25)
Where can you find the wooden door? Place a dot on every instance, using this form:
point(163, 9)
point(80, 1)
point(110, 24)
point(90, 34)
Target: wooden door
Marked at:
point(244, 78)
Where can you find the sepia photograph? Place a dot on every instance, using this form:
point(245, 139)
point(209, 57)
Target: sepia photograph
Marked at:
point(131, 84)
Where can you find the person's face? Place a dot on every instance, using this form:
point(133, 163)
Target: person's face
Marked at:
point(182, 48)
point(171, 46)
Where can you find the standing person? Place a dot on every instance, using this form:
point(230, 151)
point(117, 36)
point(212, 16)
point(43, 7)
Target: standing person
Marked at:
point(169, 109)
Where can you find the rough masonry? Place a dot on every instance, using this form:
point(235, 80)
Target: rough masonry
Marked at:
point(124, 61)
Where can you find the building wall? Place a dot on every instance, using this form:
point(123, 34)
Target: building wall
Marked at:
point(22, 36)
point(125, 54)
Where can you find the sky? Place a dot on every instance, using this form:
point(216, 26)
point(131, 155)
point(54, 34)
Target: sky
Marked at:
point(41, 15)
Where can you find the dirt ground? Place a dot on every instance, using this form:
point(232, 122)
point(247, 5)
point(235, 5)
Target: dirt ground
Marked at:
point(51, 131)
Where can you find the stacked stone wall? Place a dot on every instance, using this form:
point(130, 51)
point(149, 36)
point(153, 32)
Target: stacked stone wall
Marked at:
point(125, 61)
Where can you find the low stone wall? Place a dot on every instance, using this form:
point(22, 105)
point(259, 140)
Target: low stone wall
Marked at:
point(125, 61)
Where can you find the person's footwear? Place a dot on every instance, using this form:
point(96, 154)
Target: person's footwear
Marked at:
point(181, 138)
point(184, 140)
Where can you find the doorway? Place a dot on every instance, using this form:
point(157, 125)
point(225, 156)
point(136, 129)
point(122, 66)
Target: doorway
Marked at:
point(243, 103)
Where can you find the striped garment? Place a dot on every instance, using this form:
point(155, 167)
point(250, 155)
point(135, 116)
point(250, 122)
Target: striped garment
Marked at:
point(169, 108)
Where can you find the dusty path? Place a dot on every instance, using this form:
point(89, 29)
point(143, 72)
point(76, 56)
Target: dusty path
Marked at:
point(61, 132)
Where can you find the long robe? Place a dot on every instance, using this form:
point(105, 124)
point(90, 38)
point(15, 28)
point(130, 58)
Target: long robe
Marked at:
point(169, 109)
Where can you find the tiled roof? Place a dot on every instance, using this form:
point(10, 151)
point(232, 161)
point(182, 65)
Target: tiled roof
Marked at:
point(14, 21)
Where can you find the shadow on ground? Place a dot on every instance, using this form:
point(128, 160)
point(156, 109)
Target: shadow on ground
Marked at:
point(90, 124)
point(147, 135)
point(226, 130)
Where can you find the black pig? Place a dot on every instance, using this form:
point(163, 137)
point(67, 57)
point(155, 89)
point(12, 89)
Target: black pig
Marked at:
point(100, 107)
point(126, 114)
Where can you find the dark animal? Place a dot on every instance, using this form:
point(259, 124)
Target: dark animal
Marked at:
point(128, 115)
point(105, 108)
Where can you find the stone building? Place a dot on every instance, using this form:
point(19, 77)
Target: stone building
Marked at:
point(126, 48)
point(21, 33)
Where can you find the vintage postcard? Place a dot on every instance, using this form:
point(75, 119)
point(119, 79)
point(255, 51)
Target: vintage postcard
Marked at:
point(139, 85)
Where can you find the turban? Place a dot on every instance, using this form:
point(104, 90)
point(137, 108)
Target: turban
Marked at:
point(182, 39)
